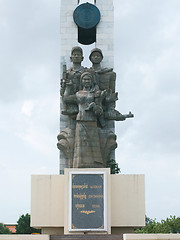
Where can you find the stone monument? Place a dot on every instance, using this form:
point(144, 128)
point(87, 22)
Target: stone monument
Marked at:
point(88, 97)
point(89, 23)
point(85, 198)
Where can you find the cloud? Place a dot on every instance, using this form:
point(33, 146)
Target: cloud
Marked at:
point(178, 173)
point(147, 64)
point(147, 56)
point(27, 108)
point(27, 45)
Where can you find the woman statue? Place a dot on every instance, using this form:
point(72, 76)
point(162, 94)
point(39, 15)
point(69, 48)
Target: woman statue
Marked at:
point(87, 152)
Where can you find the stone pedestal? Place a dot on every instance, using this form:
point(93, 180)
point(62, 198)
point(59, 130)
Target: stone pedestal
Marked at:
point(123, 204)
point(87, 237)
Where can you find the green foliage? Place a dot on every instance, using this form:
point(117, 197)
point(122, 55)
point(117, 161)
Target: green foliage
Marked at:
point(113, 165)
point(170, 225)
point(4, 230)
point(23, 226)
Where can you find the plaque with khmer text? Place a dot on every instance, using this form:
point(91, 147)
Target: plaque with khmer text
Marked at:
point(87, 204)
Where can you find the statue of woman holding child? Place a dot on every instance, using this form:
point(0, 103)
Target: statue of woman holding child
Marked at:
point(87, 152)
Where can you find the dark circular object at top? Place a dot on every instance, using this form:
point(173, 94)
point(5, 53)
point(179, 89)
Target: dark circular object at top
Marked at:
point(86, 16)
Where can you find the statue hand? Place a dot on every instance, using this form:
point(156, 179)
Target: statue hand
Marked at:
point(97, 93)
point(104, 93)
point(68, 82)
point(63, 83)
point(98, 110)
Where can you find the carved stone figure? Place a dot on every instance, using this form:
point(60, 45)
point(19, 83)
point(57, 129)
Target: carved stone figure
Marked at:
point(87, 152)
point(89, 102)
point(106, 78)
point(72, 76)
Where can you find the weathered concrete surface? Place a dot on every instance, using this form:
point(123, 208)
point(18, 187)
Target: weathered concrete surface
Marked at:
point(151, 236)
point(49, 205)
point(88, 237)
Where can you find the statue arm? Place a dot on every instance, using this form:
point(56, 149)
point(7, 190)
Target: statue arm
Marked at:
point(70, 99)
point(68, 88)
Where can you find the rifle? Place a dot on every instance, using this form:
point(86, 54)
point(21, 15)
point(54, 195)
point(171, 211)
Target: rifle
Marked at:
point(63, 80)
point(129, 115)
point(64, 75)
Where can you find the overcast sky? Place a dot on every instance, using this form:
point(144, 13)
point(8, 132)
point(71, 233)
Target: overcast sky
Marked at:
point(147, 59)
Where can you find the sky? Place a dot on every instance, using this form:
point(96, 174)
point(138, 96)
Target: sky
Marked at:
point(147, 57)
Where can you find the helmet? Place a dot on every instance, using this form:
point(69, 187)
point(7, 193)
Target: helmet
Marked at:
point(95, 50)
point(77, 48)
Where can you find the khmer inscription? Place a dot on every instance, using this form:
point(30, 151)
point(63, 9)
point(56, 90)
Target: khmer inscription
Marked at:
point(88, 201)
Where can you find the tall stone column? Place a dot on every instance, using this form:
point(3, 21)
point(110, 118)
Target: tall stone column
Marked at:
point(69, 38)
point(105, 32)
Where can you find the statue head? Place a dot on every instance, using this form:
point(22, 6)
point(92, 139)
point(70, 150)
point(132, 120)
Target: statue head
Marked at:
point(86, 80)
point(96, 55)
point(77, 54)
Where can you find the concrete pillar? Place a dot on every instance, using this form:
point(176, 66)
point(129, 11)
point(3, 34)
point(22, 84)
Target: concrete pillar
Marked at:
point(69, 38)
point(105, 32)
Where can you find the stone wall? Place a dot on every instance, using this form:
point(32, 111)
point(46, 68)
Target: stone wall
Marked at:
point(49, 201)
point(151, 236)
point(125, 237)
point(105, 32)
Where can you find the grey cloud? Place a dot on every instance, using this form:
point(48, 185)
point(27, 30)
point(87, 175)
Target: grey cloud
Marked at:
point(29, 37)
point(147, 64)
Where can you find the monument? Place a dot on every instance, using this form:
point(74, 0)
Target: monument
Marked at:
point(88, 97)
point(85, 198)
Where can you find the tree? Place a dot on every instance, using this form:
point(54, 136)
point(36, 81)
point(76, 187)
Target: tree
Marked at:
point(23, 226)
point(4, 230)
point(170, 225)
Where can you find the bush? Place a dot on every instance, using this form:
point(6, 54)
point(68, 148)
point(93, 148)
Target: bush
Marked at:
point(170, 225)
point(4, 230)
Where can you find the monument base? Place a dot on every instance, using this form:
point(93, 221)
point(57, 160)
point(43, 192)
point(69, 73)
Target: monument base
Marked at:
point(60, 230)
point(60, 204)
point(88, 237)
